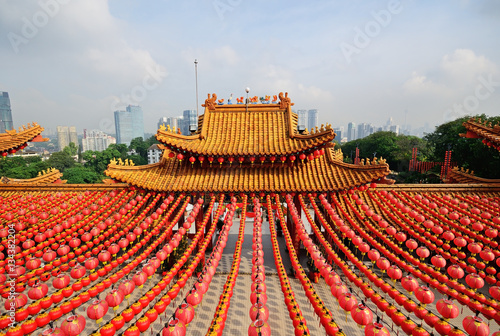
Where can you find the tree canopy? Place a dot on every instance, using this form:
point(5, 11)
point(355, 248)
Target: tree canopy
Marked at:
point(468, 153)
point(396, 149)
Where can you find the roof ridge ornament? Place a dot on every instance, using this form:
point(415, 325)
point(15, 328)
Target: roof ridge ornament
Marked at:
point(210, 102)
point(285, 101)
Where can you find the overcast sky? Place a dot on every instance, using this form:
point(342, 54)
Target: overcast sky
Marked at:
point(73, 62)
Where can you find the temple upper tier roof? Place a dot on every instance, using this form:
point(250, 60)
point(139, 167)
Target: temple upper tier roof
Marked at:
point(246, 130)
point(483, 130)
point(325, 173)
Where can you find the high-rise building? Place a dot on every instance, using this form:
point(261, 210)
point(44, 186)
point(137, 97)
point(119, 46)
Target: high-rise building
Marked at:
point(96, 140)
point(129, 124)
point(5, 113)
point(65, 135)
point(173, 122)
point(339, 131)
point(364, 130)
point(188, 118)
point(351, 131)
point(302, 118)
point(312, 118)
point(162, 121)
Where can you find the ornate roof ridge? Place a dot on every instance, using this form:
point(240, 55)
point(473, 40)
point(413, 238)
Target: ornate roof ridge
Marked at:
point(51, 175)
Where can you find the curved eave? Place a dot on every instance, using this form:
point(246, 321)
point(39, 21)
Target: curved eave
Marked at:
point(12, 139)
point(457, 176)
point(47, 178)
point(320, 175)
point(479, 131)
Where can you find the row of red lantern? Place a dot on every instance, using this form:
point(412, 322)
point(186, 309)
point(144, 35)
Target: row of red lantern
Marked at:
point(139, 279)
point(359, 312)
point(292, 305)
point(475, 213)
point(463, 298)
point(151, 315)
point(320, 309)
point(49, 256)
point(58, 228)
point(466, 232)
point(175, 326)
point(485, 254)
point(441, 286)
point(218, 322)
point(455, 228)
point(490, 278)
point(483, 204)
point(259, 313)
point(252, 159)
point(54, 314)
point(399, 319)
point(46, 302)
point(43, 225)
point(26, 234)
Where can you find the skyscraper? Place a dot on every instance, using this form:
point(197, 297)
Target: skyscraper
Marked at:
point(129, 124)
point(96, 140)
point(351, 131)
point(302, 118)
point(188, 118)
point(312, 118)
point(5, 113)
point(65, 135)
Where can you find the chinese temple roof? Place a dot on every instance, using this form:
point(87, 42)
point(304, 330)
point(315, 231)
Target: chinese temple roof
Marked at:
point(483, 130)
point(244, 130)
point(457, 175)
point(45, 177)
point(13, 140)
point(325, 173)
point(249, 148)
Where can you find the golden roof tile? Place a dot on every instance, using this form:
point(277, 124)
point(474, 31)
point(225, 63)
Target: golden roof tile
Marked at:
point(322, 174)
point(241, 130)
point(12, 139)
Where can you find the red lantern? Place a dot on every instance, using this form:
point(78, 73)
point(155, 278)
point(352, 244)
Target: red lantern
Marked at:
point(362, 315)
point(73, 325)
point(447, 309)
point(409, 283)
point(424, 295)
point(376, 329)
point(174, 328)
point(474, 325)
point(259, 328)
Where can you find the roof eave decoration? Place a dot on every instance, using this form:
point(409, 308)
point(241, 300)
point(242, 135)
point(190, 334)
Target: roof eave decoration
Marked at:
point(478, 129)
point(11, 141)
point(49, 176)
point(322, 174)
point(461, 175)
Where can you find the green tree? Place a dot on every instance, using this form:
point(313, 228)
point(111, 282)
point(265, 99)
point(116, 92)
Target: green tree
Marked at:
point(71, 149)
point(61, 160)
point(141, 147)
point(79, 174)
point(468, 153)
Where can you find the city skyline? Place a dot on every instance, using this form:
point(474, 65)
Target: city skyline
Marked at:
point(351, 61)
